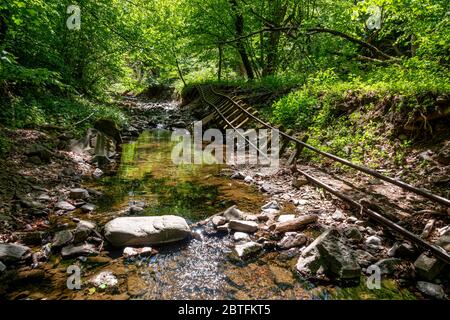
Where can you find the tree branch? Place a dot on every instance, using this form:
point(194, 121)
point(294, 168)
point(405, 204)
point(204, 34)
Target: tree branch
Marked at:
point(340, 34)
point(354, 40)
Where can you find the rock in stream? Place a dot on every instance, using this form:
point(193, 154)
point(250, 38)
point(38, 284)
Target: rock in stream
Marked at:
point(144, 231)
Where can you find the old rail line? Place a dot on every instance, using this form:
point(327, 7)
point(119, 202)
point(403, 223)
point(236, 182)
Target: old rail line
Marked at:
point(232, 113)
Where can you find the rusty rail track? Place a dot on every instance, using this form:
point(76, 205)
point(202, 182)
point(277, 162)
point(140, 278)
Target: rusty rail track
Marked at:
point(233, 114)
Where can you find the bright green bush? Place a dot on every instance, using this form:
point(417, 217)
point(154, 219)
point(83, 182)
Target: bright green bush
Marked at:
point(316, 107)
point(297, 109)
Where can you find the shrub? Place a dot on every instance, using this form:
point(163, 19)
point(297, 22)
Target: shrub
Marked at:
point(297, 109)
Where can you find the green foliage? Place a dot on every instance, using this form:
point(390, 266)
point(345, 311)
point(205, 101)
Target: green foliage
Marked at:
point(31, 111)
point(316, 108)
point(48, 73)
point(12, 72)
point(390, 290)
point(296, 109)
point(5, 146)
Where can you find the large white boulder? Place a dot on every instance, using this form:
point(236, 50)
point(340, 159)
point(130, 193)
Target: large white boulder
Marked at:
point(144, 231)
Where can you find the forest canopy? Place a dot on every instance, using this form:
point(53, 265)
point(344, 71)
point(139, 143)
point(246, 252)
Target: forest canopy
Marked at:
point(124, 46)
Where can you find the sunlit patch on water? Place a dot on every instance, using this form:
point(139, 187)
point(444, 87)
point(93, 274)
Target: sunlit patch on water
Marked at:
point(192, 271)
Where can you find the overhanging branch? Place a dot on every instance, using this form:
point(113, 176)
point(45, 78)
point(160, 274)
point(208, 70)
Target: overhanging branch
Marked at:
point(337, 33)
point(352, 39)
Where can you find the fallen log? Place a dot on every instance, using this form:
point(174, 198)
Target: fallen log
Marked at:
point(295, 224)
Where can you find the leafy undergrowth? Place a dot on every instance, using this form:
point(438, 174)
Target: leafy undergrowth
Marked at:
point(374, 118)
point(65, 113)
point(367, 120)
point(270, 83)
point(389, 290)
point(259, 93)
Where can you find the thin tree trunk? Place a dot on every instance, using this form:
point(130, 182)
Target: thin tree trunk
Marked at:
point(180, 73)
point(239, 28)
point(3, 26)
point(219, 72)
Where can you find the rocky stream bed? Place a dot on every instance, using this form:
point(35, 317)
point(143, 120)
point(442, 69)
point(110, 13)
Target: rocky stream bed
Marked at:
point(141, 227)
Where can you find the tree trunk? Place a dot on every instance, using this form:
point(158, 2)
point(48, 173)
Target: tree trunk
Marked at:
point(271, 64)
point(278, 13)
point(219, 71)
point(239, 28)
point(180, 73)
point(3, 25)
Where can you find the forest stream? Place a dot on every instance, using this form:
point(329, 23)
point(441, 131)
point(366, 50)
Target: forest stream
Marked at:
point(328, 123)
point(201, 267)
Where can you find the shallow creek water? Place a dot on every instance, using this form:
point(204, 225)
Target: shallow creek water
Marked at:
point(194, 269)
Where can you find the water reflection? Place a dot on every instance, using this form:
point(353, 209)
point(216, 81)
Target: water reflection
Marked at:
point(147, 175)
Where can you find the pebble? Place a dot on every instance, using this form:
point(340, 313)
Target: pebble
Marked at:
point(238, 176)
point(44, 197)
point(270, 212)
point(389, 266)
point(87, 224)
point(361, 229)
point(352, 219)
point(64, 205)
point(286, 217)
point(135, 210)
point(94, 192)
point(430, 289)
point(403, 250)
point(98, 173)
point(62, 238)
point(132, 252)
point(338, 215)
point(88, 207)
point(291, 240)
point(241, 236)
point(85, 249)
point(13, 252)
point(247, 249)
point(373, 241)
point(364, 258)
point(78, 193)
point(218, 221)
point(265, 187)
point(271, 205)
point(428, 267)
point(105, 279)
point(222, 228)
